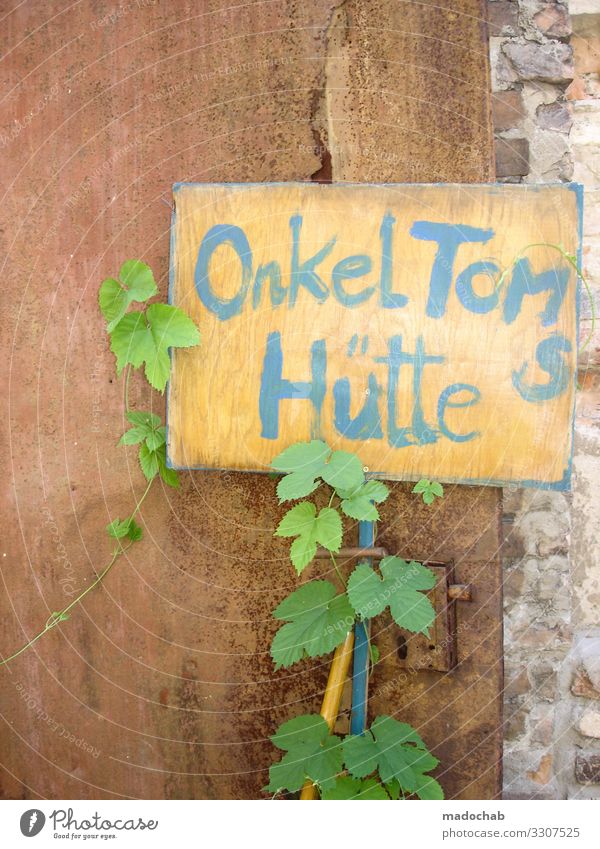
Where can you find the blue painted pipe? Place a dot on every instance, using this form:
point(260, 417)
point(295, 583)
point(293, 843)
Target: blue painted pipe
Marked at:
point(360, 665)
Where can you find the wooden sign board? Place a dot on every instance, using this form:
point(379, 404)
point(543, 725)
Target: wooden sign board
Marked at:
point(425, 328)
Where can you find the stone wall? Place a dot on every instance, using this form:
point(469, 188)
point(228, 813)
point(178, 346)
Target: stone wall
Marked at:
point(546, 107)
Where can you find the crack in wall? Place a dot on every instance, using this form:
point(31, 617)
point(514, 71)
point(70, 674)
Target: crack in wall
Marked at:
point(327, 145)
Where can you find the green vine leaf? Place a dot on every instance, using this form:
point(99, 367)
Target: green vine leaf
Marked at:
point(127, 528)
point(298, 520)
point(55, 617)
point(144, 338)
point(169, 476)
point(328, 529)
point(136, 284)
point(317, 620)
point(352, 788)
point(401, 586)
point(358, 504)
point(428, 788)
point(302, 463)
point(154, 462)
point(303, 457)
point(343, 471)
point(151, 436)
point(148, 461)
point(133, 436)
point(294, 486)
point(139, 418)
point(146, 427)
point(310, 752)
point(157, 438)
point(397, 752)
point(429, 490)
point(310, 529)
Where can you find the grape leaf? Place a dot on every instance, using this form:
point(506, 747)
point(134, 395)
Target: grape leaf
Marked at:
point(310, 752)
point(148, 431)
point(148, 461)
point(146, 427)
point(302, 551)
point(137, 284)
point(170, 476)
point(328, 529)
point(154, 462)
point(133, 436)
point(306, 462)
point(317, 620)
point(375, 490)
point(428, 788)
point(117, 529)
point(126, 528)
point(394, 789)
point(358, 504)
point(138, 277)
point(303, 457)
point(57, 616)
point(295, 485)
point(145, 338)
point(298, 520)
point(301, 731)
point(352, 788)
point(401, 587)
point(428, 490)
point(303, 463)
point(343, 471)
point(156, 438)
point(129, 340)
point(310, 529)
point(143, 419)
point(396, 751)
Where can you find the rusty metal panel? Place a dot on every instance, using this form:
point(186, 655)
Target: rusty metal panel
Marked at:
point(458, 712)
point(438, 649)
point(164, 677)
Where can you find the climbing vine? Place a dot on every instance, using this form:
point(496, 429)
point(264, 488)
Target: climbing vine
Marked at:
point(138, 337)
point(390, 760)
point(572, 260)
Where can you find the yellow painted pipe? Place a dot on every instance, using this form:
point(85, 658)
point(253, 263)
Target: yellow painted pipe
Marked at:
point(333, 696)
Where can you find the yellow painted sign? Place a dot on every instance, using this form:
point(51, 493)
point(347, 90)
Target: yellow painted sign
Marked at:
point(430, 329)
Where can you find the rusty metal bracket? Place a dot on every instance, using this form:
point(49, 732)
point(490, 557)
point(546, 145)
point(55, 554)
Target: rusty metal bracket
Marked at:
point(438, 651)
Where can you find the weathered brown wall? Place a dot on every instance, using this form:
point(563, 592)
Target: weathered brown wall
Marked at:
point(165, 672)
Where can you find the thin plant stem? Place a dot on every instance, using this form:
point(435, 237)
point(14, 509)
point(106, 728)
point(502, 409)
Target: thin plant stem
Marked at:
point(337, 570)
point(59, 616)
point(126, 388)
point(573, 263)
point(371, 664)
point(141, 501)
